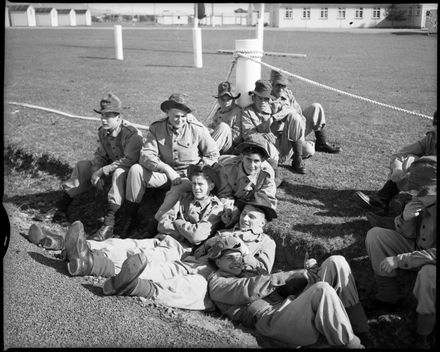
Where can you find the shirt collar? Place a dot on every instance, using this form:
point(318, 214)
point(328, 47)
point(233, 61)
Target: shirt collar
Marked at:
point(203, 203)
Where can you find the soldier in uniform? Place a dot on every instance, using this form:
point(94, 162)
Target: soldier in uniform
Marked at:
point(119, 148)
point(225, 127)
point(172, 144)
point(248, 177)
point(310, 119)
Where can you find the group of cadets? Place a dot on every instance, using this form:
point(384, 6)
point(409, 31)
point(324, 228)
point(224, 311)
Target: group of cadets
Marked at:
point(210, 250)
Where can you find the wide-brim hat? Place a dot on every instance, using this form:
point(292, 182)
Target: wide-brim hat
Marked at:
point(278, 78)
point(263, 89)
point(176, 101)
point(260, 203)
point(205, 169)
point(110, 103)
point(224, 243)
point(224, 88)
point(422, 177)
point(254, 141)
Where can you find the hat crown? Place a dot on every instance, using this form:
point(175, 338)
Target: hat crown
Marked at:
point(278, 77)
point(423, 173)
point(206, 170)
point(263, 86)
point(110, 101)
point(224, 243)
point(224, 87)
point(179, 98)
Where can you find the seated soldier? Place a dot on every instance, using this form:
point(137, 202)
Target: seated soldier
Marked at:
point(119, 147)
point(387, 202)
point(171, 145)
point(247, 176)
point(254, 299)
point(411, 245)
point(258, 118)
point(166, 273)
point(225, 127)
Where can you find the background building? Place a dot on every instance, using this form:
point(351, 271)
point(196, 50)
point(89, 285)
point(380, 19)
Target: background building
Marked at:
point(46, 17)
point(22, 15)
point(66, 17)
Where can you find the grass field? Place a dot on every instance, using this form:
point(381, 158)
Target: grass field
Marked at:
point(71, 69)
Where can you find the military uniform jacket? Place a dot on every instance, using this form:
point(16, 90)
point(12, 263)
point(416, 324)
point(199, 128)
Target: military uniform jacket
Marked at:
point(426, 146)
point(236, 184)
point(232, 117)
point(423, 230)
point(254, 121)
point(178, 149)
point(118, 149)
point(192, 220)
point(247, 296)
point(285, 103)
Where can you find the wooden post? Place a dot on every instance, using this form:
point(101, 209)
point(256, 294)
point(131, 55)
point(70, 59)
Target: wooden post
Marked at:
point(247, 72)
point(197, 41)
point(260, 25)
point(118, 42)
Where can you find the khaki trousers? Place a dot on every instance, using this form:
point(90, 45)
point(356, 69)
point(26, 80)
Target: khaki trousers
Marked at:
point(381, 243)
point(222, 136)
point(79, 182)
point(179, 284)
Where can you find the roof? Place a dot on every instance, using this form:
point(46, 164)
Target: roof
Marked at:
point(18, 8)
point(81, 10)
point(332, 5)
point(44, 9)
point(64, 11)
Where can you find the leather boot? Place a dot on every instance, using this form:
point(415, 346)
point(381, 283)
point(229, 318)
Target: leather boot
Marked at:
point(106, 230)
point(45, 238)
point(298, 164)
point(78, 255)
point(322, 145)
point(129, 220)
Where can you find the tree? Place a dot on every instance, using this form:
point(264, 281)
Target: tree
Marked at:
point(394, 13)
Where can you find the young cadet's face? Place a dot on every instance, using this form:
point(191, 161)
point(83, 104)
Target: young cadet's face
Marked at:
point(252, 218)
point(231, 262)
point(177, 118)
point(278, 89)
point(225, 101)
point(252, 163)
point(201, 187)
point(261, 103)
point(110, 120)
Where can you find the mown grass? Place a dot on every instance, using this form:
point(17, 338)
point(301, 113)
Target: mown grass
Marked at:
point(70, 70)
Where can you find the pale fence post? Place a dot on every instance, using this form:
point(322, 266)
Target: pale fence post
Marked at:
point(118, 42)
point(247, 71)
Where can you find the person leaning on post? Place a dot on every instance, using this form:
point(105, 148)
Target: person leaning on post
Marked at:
point(312, 118)
point(225, 127)
point(171, 145)
point(119, 148)
point(254, 299)
point(411, 245)
point(247, 177)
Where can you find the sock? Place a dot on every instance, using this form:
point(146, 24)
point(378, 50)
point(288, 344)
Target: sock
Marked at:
point(102, 266)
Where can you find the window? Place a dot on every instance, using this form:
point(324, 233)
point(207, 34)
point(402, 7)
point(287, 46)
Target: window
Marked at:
point(289, 14)
point(410, 12)
point(324, 13)
point(306, 13)
point(376, 12)
point(359, 13)
point(341, 12)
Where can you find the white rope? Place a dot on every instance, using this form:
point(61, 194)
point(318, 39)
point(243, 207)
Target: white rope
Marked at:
point(333, 89)
point(67, 114)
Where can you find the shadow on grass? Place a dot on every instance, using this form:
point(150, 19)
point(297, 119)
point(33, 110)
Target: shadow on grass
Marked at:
point(96, 290)
point(335, 202)
point(183, 66)
point(410, 33)
point(97, 57)
point(57, 264)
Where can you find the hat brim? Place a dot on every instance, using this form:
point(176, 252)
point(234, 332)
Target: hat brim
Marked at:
point(228, 93)
point(243, 145)
point(263, 95)
point(171, 104)
point(116, 111)
point(283, 81)
point(269, 212)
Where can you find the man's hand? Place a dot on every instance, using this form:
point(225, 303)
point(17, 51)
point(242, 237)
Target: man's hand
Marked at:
point(230, 216)
point(412, 209)
point(96, 179)
point(388, 264)
point(173, 176)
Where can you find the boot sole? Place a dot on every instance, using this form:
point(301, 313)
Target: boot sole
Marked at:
point(72, 250)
